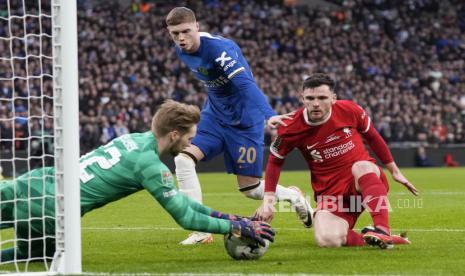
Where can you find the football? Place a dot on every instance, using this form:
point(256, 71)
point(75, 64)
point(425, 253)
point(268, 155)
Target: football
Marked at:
point(241, 249)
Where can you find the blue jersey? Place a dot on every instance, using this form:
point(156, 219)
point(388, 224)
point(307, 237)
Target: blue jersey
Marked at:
point(233, 95)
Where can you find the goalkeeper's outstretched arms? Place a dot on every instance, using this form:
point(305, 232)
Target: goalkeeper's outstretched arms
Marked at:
point(191, 215)
point(188, 213)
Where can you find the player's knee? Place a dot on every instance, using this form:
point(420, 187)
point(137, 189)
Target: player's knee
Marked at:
point(329, 239)
point(185, 159)
point(363, 167)
point(254, 191)
point(184, 162)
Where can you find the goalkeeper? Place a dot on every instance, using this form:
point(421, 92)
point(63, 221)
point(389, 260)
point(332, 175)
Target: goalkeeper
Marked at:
point(122, 167)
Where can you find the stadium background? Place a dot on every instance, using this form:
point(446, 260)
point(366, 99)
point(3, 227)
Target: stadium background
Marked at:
point(404, 61)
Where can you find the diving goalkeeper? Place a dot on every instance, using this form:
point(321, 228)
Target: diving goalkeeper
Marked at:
point(122, 167)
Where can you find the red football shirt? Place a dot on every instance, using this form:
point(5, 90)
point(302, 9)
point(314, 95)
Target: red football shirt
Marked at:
point(330, 148)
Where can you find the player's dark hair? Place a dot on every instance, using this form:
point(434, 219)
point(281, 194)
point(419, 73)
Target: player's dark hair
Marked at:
point(180, 15)
point(172, 115)
point(319, 79)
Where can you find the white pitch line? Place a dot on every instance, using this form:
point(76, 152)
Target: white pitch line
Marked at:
point(122, 274)
point(181, 274)
point(190, 274)
point(432, 193)
point(452, 193)
point(278, 229)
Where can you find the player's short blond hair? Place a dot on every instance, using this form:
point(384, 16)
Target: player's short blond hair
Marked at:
point(172, 115)
point(180, 15)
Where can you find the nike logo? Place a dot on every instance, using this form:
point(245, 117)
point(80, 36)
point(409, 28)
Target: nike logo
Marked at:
point(312, 146)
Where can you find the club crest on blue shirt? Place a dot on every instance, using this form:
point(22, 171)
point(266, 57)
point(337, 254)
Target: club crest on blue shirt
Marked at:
point(203, 71)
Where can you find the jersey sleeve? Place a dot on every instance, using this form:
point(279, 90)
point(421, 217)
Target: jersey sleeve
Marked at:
point(372, 137)
point(363, 121)
point(227, 59)
point(158, 181)
point(378, 146)
point(281, 146)
point(279, 149)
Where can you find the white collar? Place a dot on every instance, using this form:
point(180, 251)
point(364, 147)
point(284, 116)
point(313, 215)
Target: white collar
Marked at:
point(317, 123)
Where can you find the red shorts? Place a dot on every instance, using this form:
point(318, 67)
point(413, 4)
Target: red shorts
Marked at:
point(346, 204)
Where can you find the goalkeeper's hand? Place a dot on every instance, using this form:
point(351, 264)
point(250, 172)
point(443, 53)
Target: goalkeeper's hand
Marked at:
point(256, 231)
point(220, 215)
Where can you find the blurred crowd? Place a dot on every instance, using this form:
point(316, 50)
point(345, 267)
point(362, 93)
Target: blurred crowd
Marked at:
point(403, 61)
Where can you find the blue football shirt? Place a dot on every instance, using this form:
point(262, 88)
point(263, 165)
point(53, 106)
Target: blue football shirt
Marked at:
point(233, 95)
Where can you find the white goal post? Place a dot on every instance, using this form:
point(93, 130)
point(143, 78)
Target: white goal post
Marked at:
point(66, 109)
point(39, 127)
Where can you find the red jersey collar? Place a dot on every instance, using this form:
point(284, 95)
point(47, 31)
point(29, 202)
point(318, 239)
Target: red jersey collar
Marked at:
point(307, 121)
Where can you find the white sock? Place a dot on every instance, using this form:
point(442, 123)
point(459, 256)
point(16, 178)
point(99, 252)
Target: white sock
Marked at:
point(188, 182)
point(254, 191)
point(282, 193)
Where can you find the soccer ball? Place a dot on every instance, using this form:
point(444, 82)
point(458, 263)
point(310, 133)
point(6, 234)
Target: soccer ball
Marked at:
point(241, 249)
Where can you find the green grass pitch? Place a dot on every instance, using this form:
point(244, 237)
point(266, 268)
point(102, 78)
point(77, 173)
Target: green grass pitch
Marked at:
point(135, 235)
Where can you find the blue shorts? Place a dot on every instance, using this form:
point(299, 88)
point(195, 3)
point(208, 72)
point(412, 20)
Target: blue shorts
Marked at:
point(242, 147)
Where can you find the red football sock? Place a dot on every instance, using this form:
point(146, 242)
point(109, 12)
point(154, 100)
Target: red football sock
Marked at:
point(374, 195)
point(354, 238)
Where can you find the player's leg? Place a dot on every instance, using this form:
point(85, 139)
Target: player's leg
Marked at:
point(330, 230)
point(186, 175)
point(334, 226)
point(369, 182)
point(244, 157)
point(35, 245)
point(6, 204)
point(7, 216)
point(7, 255)
point(374, 192)
point(22, 253)
point(396, 239)
point(254, 188)
point(207, 143)
point(32, 230)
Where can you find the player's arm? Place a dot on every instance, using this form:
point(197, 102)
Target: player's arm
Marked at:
point(364, 126)
point(192, 215)
point(226, 59)
point(187, 213)
point(380, 148)
point(156, 178)
point(248, 87)
point(399, 177)
point(377, 145)
point(198, 207)
point(278, 150)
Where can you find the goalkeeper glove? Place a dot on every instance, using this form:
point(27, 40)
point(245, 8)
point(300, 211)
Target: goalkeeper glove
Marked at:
point(256, 231)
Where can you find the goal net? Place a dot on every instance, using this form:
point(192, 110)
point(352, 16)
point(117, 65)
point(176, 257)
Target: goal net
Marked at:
point(39, 138)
